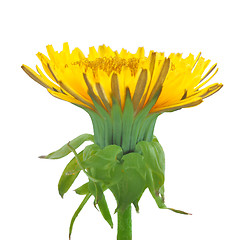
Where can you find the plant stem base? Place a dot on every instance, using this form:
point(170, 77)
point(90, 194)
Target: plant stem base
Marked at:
point(124, 229)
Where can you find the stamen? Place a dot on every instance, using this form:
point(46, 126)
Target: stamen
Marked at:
point(110, 64)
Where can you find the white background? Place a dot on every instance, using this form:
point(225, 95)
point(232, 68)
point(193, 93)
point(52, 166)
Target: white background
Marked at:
point(204, 146)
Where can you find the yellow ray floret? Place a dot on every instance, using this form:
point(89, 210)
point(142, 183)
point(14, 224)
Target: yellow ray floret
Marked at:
point(107, 74)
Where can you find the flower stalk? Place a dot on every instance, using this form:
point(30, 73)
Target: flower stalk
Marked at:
point(124, 229)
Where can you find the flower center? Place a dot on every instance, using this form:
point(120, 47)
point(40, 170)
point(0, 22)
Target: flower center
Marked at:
point(110, 64)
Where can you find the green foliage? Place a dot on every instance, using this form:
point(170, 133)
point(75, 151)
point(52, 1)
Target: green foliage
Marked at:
point(77, 212)
point(105, 210)
point(69, 175)
point(132, 184)
point(65, 150)
point(126, 175)
point(155, 166)
point(103, 164)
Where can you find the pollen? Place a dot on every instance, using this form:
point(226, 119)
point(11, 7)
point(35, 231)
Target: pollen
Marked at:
point(110, 64)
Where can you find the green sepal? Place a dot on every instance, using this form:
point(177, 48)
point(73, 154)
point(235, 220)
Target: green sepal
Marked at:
point(103, 164)
point(102, 204)
point(90, 150)
point(78, 211)
point(151, 125)
point(97, 190)
point(140, 117)
point(97, 126)
point(69, 175)
point(155, 164)
point(147, 126)
point(107, 123)
point(65, 150)
point(127, 122)
point(179, 211)
point(132, 185)
point(83, 190)
point(105, 212)
point(116, 115)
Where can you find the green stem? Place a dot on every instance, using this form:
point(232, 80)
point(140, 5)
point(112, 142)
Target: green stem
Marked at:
point(124, 229)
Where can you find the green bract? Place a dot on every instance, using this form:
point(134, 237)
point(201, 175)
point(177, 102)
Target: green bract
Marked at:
point(125, 158)
point(123, 128)
point(126, 175)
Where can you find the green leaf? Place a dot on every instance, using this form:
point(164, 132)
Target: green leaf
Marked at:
point(65, 150)
point(83, 190)
point(77, 212)
point(69, 175)
point(105, 210)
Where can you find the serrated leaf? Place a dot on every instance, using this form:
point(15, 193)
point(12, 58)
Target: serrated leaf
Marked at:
point(77, 212)
point(105, 210)
point(83, 190)
point(65, 150)
point(69, 175)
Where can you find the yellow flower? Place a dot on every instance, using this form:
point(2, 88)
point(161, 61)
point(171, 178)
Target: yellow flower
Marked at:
point(107, 74)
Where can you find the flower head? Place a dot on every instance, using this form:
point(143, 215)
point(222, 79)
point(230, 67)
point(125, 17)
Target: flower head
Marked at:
point(105, 74)
point(106, 78)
